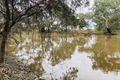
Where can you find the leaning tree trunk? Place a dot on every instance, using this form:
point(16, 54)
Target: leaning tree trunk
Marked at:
point(107, 26)
point(108, 29)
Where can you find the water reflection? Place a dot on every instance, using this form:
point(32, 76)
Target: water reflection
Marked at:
point(91, 40)
point(65, 57)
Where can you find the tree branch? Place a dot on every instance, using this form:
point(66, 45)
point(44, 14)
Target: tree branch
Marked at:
point(25, 14)
point(2, 13)
point(106, 21)
point(20, 19)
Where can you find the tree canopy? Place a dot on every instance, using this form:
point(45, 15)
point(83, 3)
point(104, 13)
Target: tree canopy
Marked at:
point(106, 13)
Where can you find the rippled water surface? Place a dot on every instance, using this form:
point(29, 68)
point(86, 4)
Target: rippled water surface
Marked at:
point(69, 57)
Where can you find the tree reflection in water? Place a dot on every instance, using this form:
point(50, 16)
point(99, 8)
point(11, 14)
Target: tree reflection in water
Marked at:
point(108, 57)
point(61, 56)
point(106, 53)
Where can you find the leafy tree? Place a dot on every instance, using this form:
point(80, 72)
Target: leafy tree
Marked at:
point(106, 14)
point(82, 22)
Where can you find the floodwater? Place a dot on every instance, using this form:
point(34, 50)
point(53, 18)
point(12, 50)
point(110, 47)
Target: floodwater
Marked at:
point(69, 57)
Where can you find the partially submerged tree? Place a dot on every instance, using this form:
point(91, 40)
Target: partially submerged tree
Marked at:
point(106, 14)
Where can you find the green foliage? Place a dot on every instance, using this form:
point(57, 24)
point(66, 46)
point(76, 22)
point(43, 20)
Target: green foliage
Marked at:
point(82, 22)
point(107, 10)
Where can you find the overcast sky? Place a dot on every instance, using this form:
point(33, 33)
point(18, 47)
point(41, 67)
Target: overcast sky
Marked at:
point(83, 9)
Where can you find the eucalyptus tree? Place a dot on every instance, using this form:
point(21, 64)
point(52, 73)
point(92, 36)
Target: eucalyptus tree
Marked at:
point(107, 14)
point(15, 11)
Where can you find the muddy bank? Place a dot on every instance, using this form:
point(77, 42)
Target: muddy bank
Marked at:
point(13, 69)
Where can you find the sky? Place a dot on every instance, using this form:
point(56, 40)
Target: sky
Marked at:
point(82, 8)
point(87, 9)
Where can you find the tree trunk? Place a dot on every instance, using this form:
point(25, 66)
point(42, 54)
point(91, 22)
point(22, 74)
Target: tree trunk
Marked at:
point(6, 30)
point(108, 29)
point(2, 48)
point(42, 29)
point(66, 28)
point(4, 41)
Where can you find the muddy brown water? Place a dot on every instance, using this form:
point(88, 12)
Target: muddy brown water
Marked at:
point(66, 57)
